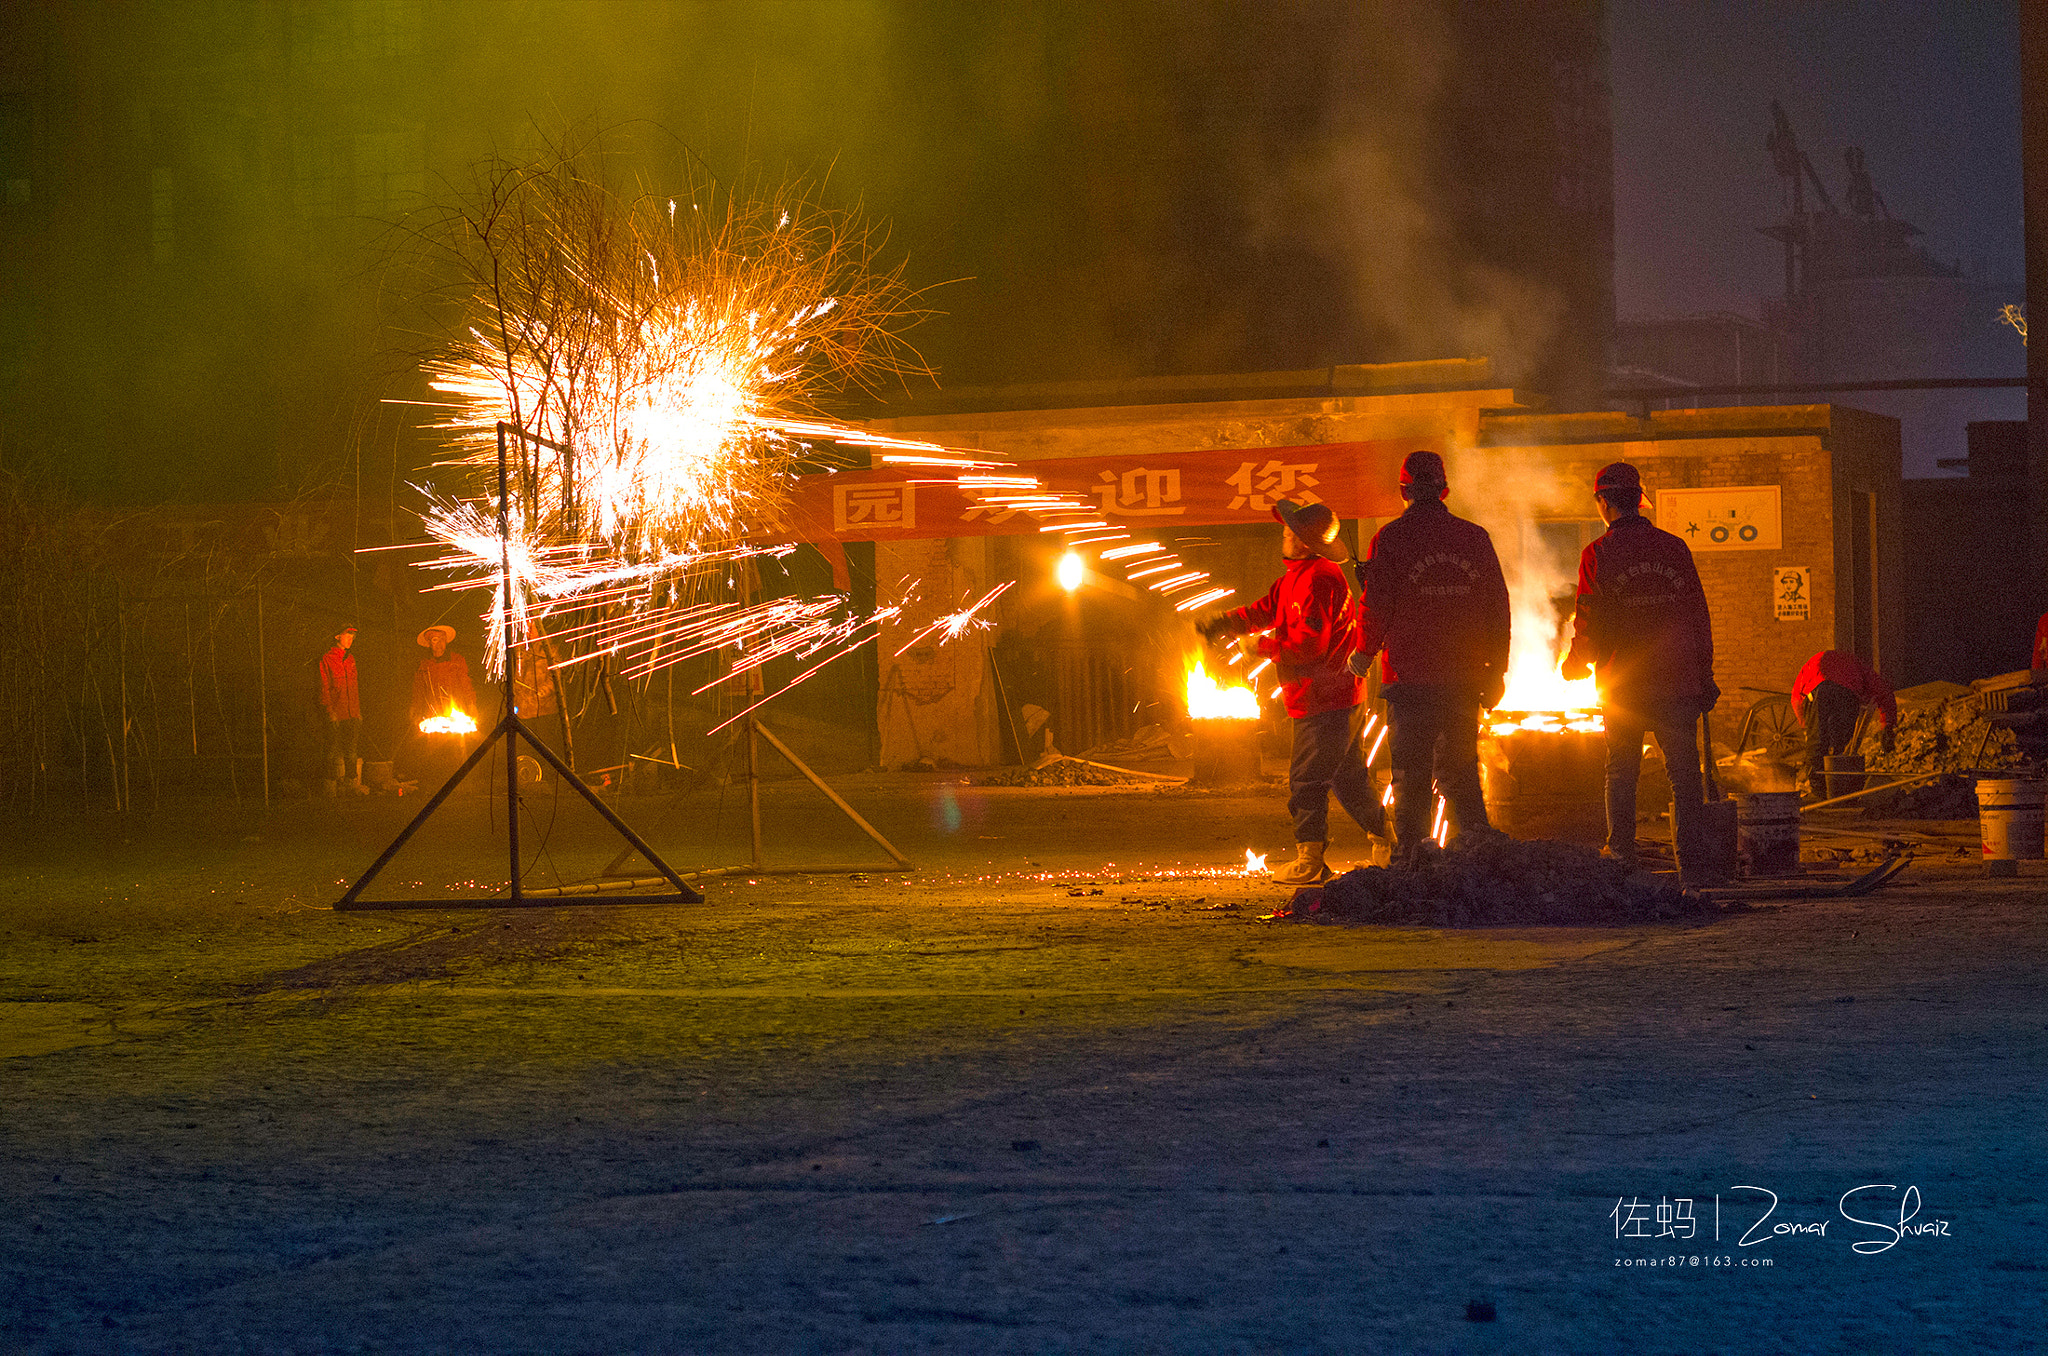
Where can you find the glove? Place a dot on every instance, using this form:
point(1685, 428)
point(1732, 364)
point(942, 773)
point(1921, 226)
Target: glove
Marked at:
point(1710, 697)
point(1491, 692)
point(1360, 664)
point(1575, 669)
point(1212, 626)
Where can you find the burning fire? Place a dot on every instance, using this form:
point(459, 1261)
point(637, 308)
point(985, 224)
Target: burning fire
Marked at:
point(457, 721)
point(1208, 700)
point(1254, 863)
point(1538, 698)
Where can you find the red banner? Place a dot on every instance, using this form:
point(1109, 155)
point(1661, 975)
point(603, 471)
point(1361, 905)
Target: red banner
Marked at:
point(1159, 492)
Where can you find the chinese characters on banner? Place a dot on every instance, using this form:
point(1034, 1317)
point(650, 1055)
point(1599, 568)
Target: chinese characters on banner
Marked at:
point(1186, 489)
point(1792, 592)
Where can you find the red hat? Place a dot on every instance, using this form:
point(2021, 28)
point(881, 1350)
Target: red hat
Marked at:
point(1423, 468)
point(1315, 525)
point(1618, 475)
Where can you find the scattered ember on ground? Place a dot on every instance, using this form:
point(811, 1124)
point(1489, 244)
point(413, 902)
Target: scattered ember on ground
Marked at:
point(1499, 881)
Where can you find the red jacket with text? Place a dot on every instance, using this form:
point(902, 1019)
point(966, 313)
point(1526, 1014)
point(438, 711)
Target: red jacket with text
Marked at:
point(1845, 670)
point(338, 685)
point(1311, 629)
point(1642, 619)
point(1434, 599)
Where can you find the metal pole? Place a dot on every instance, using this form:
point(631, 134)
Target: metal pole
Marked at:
point(505, 651)
point(262, 697)
point(754, 784)
point(121, 638)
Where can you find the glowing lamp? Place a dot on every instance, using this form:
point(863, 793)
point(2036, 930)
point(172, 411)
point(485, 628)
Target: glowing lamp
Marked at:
point(1070, 571)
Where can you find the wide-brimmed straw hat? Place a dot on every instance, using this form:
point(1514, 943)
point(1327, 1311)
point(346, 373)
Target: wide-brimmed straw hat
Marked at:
point(446, 633)
point(1315, 526)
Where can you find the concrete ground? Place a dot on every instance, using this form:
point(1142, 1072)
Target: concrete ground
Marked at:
point(1058, 1090)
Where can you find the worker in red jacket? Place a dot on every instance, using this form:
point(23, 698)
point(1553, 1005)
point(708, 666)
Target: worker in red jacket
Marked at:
point(1308, 627)
point(1642, 629)
point(1434, 607)
point(343, 713)
point(1829, 694)
point(440, 685)
point(2040, 645)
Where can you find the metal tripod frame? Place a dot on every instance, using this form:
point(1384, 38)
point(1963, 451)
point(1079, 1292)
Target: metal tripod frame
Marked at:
point(512, 729)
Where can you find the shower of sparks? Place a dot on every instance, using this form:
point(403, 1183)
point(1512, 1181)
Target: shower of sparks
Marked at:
point(955, 624)
point(1254, 862)
point(663, 374)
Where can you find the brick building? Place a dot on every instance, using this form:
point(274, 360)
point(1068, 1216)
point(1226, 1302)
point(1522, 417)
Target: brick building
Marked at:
point(1794, 512)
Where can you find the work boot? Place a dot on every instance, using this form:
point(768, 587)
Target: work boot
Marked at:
point(1627, 859)
point(1307, 868)
point(1416, 855)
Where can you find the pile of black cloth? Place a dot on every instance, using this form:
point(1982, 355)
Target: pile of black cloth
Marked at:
point(1494, 881)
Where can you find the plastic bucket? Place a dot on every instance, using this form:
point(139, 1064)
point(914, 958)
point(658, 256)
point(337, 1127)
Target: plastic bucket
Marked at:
point(2009, 812)
point(1767, 830)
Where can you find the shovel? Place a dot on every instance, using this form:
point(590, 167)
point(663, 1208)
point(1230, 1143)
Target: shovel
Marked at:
point(1717, 817)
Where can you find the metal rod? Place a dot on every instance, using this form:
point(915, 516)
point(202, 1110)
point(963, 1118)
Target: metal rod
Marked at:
point(121, 635)
point(597, 803)
point(1881, 786)
point(1003, 696)
point(511, 717)
point(262, 696)
point(815, 780)
point(433, 804)
point(754, 787)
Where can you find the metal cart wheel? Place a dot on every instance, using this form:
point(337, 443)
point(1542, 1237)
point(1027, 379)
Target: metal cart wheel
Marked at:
point(1768, 726)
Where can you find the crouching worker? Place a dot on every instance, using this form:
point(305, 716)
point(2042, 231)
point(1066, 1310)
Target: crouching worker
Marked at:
point(1642, 629)
point(1309, 629)
point(1435, 609)
point(1828, 698)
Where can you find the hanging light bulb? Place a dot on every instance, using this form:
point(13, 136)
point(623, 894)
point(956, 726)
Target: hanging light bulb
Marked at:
point(1071, 571)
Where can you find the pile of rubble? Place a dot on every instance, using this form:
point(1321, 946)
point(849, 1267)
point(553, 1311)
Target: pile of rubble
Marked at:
point(1948, 736)
point(1498, 881)
point(1062, 772)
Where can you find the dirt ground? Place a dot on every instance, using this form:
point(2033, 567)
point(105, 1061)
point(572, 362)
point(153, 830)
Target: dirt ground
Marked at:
point(1059, 1089)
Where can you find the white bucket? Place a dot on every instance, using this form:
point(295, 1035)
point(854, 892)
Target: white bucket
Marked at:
point(2010, 813)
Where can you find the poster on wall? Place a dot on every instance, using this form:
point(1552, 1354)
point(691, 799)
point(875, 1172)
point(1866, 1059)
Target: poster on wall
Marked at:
point(1723, 517)
point(1792, 592)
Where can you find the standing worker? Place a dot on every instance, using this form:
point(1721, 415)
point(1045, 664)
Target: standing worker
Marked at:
point(1434, 606)
point(1642, 628)
point(2040, 660)
point(1310, 631)
point(1827, 697)
point(344, 713)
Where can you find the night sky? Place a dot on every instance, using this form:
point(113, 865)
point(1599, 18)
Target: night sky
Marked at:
point(1929, 91)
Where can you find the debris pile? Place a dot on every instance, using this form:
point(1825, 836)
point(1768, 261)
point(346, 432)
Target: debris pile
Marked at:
point(1949, 797)
point(1496, 881)
point(1064, 772)
point(1948, 736)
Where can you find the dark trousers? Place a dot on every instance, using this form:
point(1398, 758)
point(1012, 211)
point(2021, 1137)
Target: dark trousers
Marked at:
point(1675, 722)
point(1434, 733)
point(1326, 759)
point(1831, 715)
point(341, 749)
